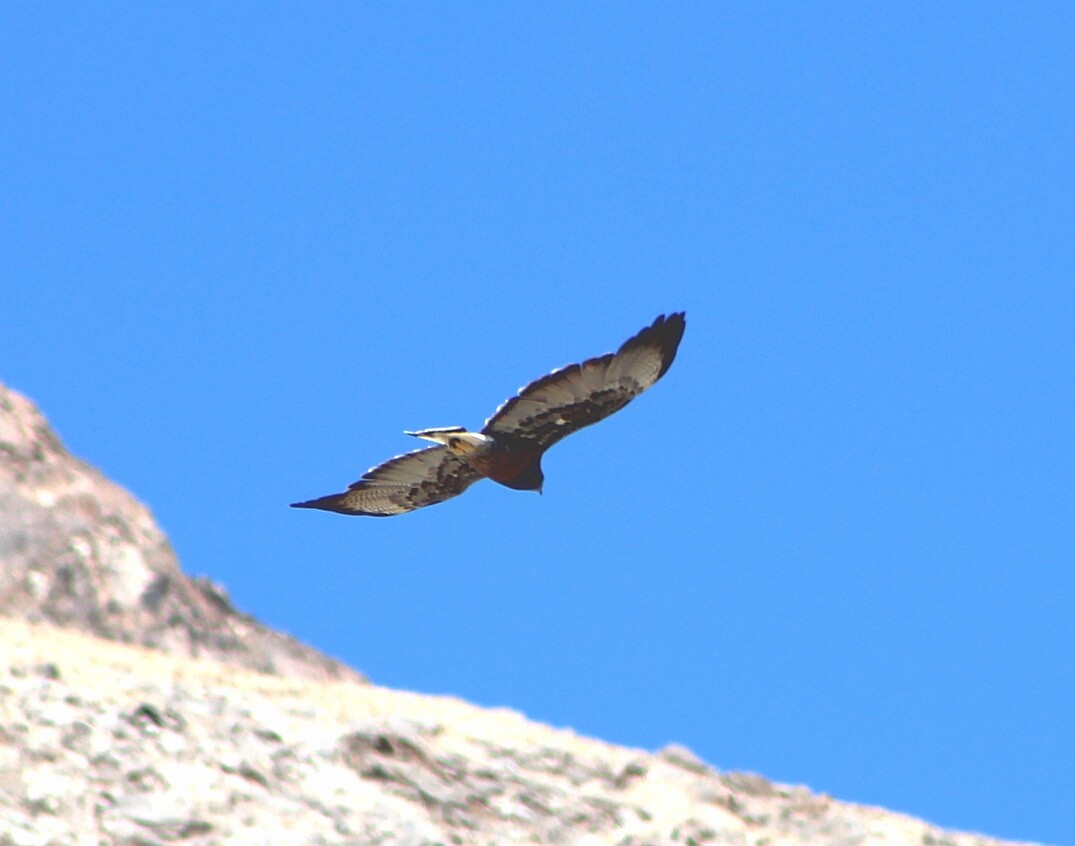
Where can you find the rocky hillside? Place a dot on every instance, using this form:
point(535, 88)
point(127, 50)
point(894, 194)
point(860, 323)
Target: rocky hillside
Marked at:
point(79, 551)
point(106, 743)
point(123, 718)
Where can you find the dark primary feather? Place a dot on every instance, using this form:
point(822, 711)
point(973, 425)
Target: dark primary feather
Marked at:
point(566, 400)
point(401, 484)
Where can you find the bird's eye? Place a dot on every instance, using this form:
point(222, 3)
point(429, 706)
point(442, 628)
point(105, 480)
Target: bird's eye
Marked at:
point(453, 443)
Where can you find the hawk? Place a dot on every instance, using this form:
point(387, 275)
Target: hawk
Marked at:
point(509, 447)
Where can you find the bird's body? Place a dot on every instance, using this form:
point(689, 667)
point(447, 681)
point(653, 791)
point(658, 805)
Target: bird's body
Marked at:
point(496, 458)
point(509, 447)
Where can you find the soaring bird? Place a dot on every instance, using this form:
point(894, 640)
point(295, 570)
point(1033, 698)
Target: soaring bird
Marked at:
point(509, 447)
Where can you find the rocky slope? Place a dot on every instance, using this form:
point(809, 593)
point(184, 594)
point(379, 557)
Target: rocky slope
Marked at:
point(81, 552)
point(106, 743)
point(152, 736)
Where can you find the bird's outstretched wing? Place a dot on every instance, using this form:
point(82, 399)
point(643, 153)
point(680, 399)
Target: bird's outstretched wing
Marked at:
point(402, 484)
point(575, 396)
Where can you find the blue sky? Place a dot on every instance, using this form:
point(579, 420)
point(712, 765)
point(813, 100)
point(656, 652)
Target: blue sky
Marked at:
point(245, 246)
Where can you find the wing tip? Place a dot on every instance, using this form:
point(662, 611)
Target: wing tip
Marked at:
point(665, 333)
point(674, 321)
point(322, 503)
point(334, 503)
